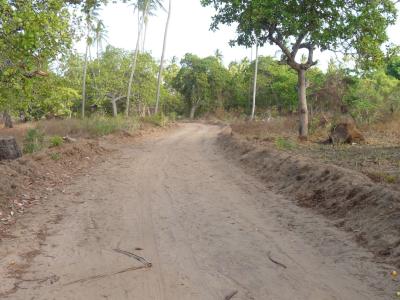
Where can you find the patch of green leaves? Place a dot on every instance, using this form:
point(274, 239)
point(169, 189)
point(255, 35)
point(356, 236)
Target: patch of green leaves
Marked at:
point(34, 141)
point(100, 126)
point(56, 141)
point(284, 144)
point(159, 120)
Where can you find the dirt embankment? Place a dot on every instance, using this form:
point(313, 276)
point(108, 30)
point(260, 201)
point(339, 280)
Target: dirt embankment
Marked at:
point(357, 204)
point(26, 181)
point(29, 180)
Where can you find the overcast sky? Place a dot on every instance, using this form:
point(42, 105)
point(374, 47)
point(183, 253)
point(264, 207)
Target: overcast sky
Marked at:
point(189, 32)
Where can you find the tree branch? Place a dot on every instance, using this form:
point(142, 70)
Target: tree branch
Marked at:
point(296, 45)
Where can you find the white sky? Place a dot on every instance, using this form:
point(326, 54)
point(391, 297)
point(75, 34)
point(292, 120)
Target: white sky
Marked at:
point(188, 32)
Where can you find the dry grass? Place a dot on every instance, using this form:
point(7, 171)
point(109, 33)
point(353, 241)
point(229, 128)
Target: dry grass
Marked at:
point(77, 128)
point(87, 128)
point(267, 130)
point(379, 157)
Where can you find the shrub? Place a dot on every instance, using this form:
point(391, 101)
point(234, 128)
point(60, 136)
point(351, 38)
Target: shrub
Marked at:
point(284, 144)
point(158, 120)
point(56, 141)
point(33, 141)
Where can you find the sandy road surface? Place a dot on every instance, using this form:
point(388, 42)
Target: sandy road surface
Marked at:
point(206, 226)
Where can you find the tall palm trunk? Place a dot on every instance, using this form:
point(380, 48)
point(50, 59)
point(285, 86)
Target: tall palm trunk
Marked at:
point(162, 57)
point(135, 57)
point(253, 109)
point(146, 23)
point(84, 74)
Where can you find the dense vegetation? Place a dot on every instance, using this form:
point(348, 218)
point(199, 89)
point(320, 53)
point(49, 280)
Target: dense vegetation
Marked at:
point(41, 77)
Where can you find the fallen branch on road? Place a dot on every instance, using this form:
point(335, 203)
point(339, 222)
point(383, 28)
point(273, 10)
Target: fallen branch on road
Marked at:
point(83, 280)
point(137, 257)
point(231, 295)
point(276, 262)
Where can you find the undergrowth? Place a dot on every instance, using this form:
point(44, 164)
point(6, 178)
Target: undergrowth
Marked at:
point(34, 141)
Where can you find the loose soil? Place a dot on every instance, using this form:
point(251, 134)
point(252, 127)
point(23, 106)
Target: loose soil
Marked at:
point(169, 217)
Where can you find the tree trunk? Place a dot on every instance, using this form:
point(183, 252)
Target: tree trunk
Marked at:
point(253, 109)
point(114, 107)
point(135, 57)
point(162, 59)
point(7, 120)
point(145, 33)
point(84, 76)
point(192, 111)
point(9, 148)
point(303, 111)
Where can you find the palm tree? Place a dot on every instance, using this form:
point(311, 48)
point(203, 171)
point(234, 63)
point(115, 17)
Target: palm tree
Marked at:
point(162, 57)
point(253, 109)
point(144, 7)
point(90, 10)
point(144, 10)
point(100, 35)
point(218, 55)
point(85, 66)
point(146, 23)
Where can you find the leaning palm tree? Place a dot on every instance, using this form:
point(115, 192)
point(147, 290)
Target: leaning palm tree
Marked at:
point(162, 58)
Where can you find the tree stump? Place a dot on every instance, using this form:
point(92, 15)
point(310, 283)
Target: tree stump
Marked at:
point(346, 132)
point(9, 148)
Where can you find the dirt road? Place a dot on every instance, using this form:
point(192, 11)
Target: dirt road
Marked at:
point(208, 228)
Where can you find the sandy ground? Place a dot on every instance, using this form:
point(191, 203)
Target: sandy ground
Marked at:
point(171, 218)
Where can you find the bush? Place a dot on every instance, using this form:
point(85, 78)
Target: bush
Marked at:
point(33, 141)
point(158, 120)
point(284, 144)
point(56, 141)
point(100, 126)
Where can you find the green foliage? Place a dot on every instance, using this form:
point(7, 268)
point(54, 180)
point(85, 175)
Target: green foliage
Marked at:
point(201, 82)
point(159, 120)
point(373, 97)
point(327, 25)
point(56, 141)
point(34, 141)
point(99, 126)
point(393, 67)
point(276, 86)
point(32, 34)
point(284, 144)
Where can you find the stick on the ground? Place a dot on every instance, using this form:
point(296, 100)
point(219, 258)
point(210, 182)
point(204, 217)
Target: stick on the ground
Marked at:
point(231, 295)
point(100, 276)
point(137, 257)
point(276, 262)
